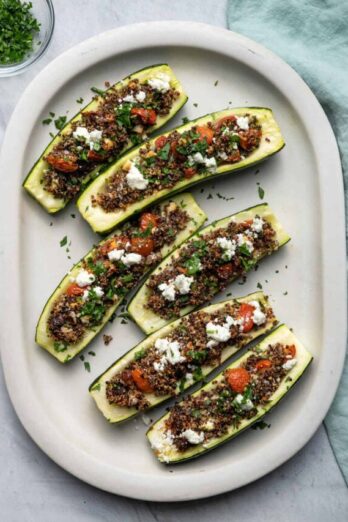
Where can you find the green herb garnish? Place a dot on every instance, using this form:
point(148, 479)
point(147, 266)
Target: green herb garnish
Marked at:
point(47, 121)
point(87, 366)
point(18, 28)
point(59, 346)
point(164, 152)
point(63, 241)
point(60, 122)
point(140, 354)
point(98, 91)
point(261, 192)
point(193, 264)
point(123, 115)
point(80, 100)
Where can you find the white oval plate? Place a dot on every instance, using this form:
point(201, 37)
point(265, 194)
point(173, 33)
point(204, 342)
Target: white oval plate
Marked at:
point(303, 184)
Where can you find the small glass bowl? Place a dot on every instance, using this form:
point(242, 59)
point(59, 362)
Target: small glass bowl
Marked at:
point(44, 13)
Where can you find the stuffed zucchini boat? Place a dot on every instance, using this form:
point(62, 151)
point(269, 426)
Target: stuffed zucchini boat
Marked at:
point(238, 397)
point(113, 122)
point(90, 293)
point(214, 144)
point(180, 354)
point(203, 266)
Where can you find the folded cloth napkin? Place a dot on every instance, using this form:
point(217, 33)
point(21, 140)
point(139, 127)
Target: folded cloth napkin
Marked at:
point(312, 36)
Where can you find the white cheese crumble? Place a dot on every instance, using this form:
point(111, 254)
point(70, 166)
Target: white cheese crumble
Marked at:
point(222, 155)
point(288, 365)
point(84, 278)
point(242, 240)
point(193, 437)
point(140, 96)
point(129, 98)
point(160, 82)
point(170, 351)
point(210, 163)
point(218, 333)
point(131, 259)
point(258, 316)
point(115, 254)
point(162, 443)
point(90, 138)
point(228, 246)
point(135, 179)
point(98, 292)
point(257, 225)
point(243, 122)
point(244, 404)
point(167, 290)
point(183, 283)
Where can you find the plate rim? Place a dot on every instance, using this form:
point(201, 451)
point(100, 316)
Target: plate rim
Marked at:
point(85, 54)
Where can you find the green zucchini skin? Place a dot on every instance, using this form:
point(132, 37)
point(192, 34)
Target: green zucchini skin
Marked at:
point(281, 334)
point(146, 319)
point(42, 337)
point(32, 181)
point(102, 222)
point(115, 414)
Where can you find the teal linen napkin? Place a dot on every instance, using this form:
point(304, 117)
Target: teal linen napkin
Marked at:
point(312, 36)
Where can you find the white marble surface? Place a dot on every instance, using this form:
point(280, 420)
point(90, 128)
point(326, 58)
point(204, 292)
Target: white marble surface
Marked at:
point(307, 488)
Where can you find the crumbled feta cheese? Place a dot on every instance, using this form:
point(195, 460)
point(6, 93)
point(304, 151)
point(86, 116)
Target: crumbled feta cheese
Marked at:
point(288, 365)
point(131, 259)
point(167, 290)
point(171, 353)
point(258, 316)
point(140, 96)
point(90, 138)
point(160, 83)
point(242, 240)
point(257, 224)
point(129, 98)
point(218, 333)
point(197, 157)
point(162, 443)
point(193, 437)
point(244, 404)
point(243, 122)
point(84, 278)
point(115, 254)
point(98, 292)
point(222, 155)
point(228, 246)
point(189, 378)
point(135, 179)
point(183, 283)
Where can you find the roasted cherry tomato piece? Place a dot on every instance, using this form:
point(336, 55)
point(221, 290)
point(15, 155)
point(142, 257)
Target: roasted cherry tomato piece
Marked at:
point(225, 120)
point(147, 116)
point(263, 364)
point(225, 271)
point(238, 379)
point(141, 382)
point(148, 221)
point(160, 142)
point(68, 164)
point(206, 133)
point(290, 351)
point(92, 155)
point(74, 289)
point(189, 172)
point(245, 313)
point(142, 245)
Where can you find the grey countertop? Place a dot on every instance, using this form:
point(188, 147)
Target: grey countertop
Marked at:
point(32, 488)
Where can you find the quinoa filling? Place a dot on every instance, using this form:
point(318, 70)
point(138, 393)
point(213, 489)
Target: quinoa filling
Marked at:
point(122, 118)
point(207, 264)
point(210, 414)
point(174, 361)
point(111, 271)
point(180, 156)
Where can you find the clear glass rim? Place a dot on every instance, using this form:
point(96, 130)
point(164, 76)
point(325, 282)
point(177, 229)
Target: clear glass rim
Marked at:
point(16, 68)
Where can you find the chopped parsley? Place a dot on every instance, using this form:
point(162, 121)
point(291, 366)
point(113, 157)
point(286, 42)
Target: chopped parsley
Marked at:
point(98, 91)
point(60, 122)
point(123, 115)
point(193, 264)
point(18, 27)
point(87, 366)
point(139, 354)
point(261, 192)
point(46, 121)
point(63, 241)
point(80, 100)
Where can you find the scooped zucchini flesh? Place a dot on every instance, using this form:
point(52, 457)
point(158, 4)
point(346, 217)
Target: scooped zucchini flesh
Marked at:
point(179, 355)
point(234, 400)
point(90, 293)
point(113, 122)
point(203, 266)
point(212, 145)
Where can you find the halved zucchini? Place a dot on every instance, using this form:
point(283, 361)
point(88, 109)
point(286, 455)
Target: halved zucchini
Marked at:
point(101, 221)
point(197, 218)
point(117, 414)
point(169, 454)
point(146, 319)
point(33, 181)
